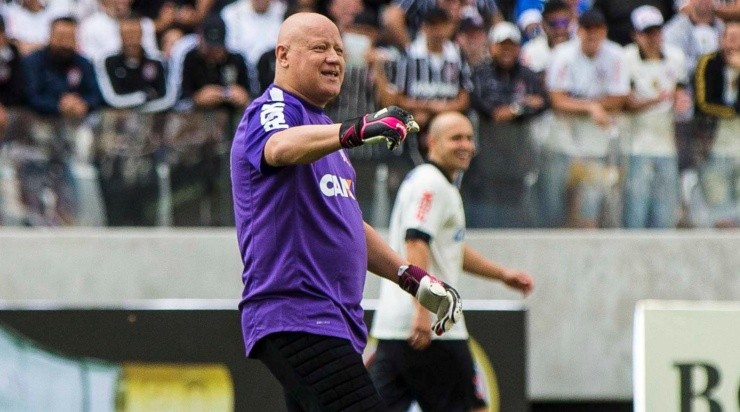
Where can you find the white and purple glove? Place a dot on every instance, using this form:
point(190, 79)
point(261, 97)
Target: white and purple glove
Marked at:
point(391, 124)
point(433, 294)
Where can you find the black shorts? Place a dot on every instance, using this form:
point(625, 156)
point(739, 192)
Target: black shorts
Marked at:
point(318, 373)
point(440, 378)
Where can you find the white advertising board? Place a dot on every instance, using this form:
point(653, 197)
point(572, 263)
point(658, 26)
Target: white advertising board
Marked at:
point(686, 356)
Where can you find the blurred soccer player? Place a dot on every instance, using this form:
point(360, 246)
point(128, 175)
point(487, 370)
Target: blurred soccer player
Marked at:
point(428, 228)
point(301, 235)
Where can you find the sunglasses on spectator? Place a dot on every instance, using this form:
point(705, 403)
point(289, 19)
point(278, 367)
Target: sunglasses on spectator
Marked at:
point(562, 22)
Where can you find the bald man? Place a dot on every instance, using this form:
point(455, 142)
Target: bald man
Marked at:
point(303, 242)
point(428, 229)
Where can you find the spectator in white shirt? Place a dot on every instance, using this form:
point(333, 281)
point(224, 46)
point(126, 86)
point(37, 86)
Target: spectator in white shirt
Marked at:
point(99, 35)
point(252, 26)
point(28, 21)
point(588, 86)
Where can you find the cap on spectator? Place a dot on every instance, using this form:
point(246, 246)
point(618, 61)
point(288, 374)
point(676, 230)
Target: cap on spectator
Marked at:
point(592, 18)
point(213, 30)
point(646, 17)
point(436, 16)
point(472, 23)
point(504, 31)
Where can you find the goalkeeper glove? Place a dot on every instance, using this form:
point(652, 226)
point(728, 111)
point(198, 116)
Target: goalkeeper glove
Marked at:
point(390, 124)
point(433, 294)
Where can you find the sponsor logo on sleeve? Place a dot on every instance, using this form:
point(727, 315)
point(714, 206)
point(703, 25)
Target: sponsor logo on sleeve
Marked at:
point(272, 116)
point(425, 203)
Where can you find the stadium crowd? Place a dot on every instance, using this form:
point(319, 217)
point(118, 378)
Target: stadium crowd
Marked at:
point(587, 114)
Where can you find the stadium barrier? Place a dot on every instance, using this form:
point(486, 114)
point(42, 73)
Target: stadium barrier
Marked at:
point(579, 319)
point(184, 354)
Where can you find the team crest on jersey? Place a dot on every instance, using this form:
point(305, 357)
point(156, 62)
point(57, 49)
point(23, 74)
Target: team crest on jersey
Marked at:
point(74, 77)
point(334, 186)
point(149, 71)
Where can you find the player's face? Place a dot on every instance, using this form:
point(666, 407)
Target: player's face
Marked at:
point(316, 64)
point(453, 149)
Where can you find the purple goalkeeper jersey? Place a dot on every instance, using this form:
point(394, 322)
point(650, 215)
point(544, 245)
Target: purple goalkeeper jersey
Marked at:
point(300, 231)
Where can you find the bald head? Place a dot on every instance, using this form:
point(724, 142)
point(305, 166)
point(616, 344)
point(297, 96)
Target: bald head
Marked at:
point(446, 121)
point(295, 27)
point(310, 58)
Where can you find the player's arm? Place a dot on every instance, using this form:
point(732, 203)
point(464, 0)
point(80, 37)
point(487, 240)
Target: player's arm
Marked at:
point(381, 259)
point(305, 144)
point(419, 254)
point(477, 264)
point(431, 293)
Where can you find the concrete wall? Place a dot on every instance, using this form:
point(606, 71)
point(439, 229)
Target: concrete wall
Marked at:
point(580, 315)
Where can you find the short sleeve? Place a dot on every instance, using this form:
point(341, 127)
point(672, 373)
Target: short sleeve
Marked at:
point(266, 119)
point(426, 210)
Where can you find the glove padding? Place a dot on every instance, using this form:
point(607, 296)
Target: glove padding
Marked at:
point(391, 124)
point(433, 294)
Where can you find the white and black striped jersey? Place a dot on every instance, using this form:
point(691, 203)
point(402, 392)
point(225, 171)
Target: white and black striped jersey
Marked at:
point(423, 75)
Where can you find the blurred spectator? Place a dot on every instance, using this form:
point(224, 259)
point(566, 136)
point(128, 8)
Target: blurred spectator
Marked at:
point(658, 76)
point(59, 81)
point(167, 41)
point(696, 30)
point(343, 12)
point(131, 78)
point(213, 77)
point(559, 18)
point(432, 77)
point(471, 37)
point(588, 85)
point(716, 202)
point(506, 95)
point(617, 14)
point(185, 14)
point(28, 22)
point(99, 34)
point(252, 26)
point(61, 86)
point(729, 10)
point(402, 19)
point(11, 80)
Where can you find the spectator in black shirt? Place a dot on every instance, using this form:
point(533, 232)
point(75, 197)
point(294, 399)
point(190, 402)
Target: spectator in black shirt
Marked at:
point(131, 79)
point(11, 83)
point(212, 76)
point(498, 185)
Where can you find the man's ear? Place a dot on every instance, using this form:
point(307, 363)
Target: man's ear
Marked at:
point(281, 53)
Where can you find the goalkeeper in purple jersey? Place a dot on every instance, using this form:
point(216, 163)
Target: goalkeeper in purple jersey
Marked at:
point(303, 242)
